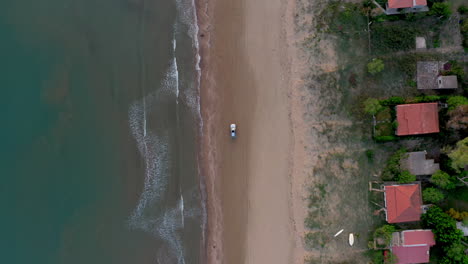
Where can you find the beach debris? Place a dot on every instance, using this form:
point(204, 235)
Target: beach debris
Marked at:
point(339, 232)
point(351, 239)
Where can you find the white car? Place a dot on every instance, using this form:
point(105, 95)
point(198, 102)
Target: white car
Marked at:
point(233, 130)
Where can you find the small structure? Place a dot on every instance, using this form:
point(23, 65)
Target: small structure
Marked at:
point(429, 76)
point(418, 165)
point(406, 6)
point(416, 119)
point(463, 228)
point(420, 43)
point(412, 246)
point(403, 202)
point(447, 82)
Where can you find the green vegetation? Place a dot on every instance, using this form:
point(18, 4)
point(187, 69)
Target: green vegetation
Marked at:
point(372, 106)
point(375, 66)
point(455, 101)
point(459, 155)
point(440, 9)
point(391, 37)
point(370, 155)
point(464, 32)
point(456, 254)
point(462, 9)
point(393, 170)
point(443, 226)
point(406, 177)
point(447, 235)
point(384, 129)
point(432, 195)
point(459, 216)
point(383, 235)
point(443, 180)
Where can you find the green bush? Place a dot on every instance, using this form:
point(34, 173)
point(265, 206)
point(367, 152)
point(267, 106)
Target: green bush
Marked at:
point(440, 9)
point(375, 66)
point(427, 98)
point(462, 9)
point(393, 169)
point(459, 155)
point(372, 106)
point(392, 101)
point(443, 180)
point(432, 195)
point(391, 37)
point(385, 138)
point(406, 177)
point(455, 101)
point(385, 233)
point(443, 226)
point(456, 253)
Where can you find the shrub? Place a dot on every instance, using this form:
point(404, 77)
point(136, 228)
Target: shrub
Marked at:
point(370, 155)
point(427, 98)
point(385, 138)
point(393, 169)
point(443, 226)
point(455, 101)
point(385, 234)
point(440, 9)
point(394, 100)
point(375, 66)
point(459, 216)
point(372, 106)
point(456, 253)
point(459, 155)
point(443, 180)
point(462, 9)
point(406, 177)
point(432, 195)
point(388, 38)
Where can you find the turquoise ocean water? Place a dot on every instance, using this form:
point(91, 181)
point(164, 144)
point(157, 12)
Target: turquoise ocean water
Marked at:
point(100, 115)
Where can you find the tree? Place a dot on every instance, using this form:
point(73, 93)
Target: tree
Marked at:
point(372, 106)
point(406, 177)
point(440, 9)
point(443, 226)
point(443, 180)
point(456, 253)
point(432, 195)
point(459, 155)
point(375, 66)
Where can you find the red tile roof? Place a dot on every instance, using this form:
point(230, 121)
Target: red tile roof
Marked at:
point(415, 254)
point(414, 119)
point(406, 3)
point(418, 237)
point(403, 203)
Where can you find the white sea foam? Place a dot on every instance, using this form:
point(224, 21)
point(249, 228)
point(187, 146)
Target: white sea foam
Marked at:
point(154, 149)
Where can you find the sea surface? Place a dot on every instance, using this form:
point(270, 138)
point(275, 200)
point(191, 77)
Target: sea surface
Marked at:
point(100, 121)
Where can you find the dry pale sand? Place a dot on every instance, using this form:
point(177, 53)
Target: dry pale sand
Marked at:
point(244, 70)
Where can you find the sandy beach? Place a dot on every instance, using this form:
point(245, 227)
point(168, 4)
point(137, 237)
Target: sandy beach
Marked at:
point(244, 82)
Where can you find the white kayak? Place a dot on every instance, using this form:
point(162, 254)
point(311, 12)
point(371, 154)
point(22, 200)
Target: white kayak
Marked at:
point(339, 232)
point(351, 239)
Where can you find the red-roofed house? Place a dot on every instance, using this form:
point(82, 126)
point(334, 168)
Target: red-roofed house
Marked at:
point(403, 203)
point(412, 246)
point(406, 6)
point(406, 3)
point(416, 119)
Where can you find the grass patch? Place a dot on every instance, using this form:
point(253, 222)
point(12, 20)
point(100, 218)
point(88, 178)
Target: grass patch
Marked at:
point(388, 37)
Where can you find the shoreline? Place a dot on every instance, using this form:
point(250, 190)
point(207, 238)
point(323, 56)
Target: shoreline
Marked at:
point(244, 79)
